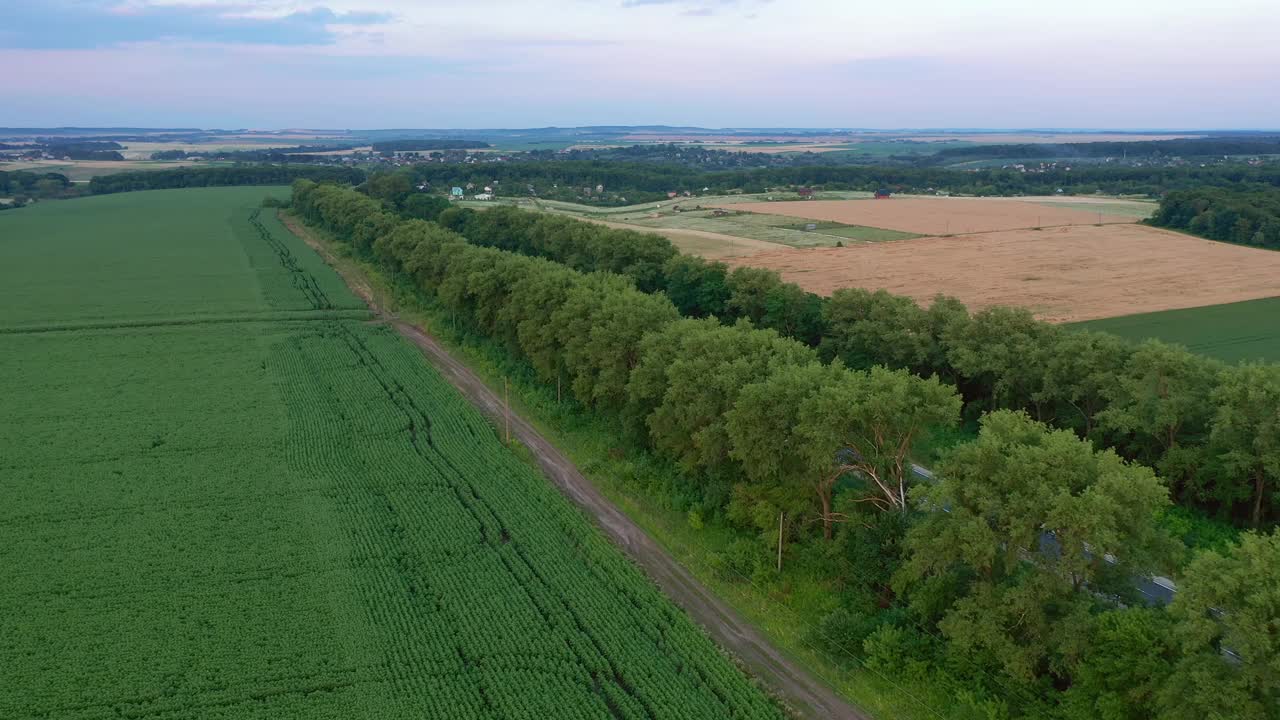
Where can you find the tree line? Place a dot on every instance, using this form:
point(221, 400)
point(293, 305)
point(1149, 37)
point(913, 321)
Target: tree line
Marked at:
point(1188, 416)
point(294, 154)
point(220, 176)
point(411, 145)
point(1005, 597)
point(1181, 147)
point(1245, 217)
point(72, 149)
point(634, 182)
point(23, 185)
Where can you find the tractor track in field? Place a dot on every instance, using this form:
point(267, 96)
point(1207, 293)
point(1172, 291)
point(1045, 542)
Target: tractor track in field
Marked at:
point(798, 687)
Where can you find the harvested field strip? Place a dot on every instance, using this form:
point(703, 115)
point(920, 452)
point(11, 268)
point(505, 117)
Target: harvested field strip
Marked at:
point(1231, 332)
point(1070, 274)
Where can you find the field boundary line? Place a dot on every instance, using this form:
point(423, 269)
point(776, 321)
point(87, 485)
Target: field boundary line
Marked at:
point(267, 317)
point(796, 684)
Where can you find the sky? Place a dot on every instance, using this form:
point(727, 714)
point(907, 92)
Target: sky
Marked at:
point(265, 64)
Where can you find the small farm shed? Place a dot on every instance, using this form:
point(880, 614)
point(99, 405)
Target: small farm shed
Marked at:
point(883, 194)
point(805, 192)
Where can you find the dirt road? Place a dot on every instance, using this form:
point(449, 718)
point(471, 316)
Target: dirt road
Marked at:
point(801, 690)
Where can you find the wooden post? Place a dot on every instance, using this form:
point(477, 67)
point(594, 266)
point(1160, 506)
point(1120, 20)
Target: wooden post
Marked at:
point(780, 541)
point(506, 386)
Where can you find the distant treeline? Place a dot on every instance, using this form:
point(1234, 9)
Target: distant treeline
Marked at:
point(433, 144)
point(770, 438)
point(1185, 147)
point(628, 183)
point(218, 176)
point(1237, 216)
point(693, 156)
point(78, 150)
point(298, 153)
point(82, 145)
point(23, 185)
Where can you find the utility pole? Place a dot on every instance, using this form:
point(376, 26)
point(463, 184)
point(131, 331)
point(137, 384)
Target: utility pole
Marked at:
point(780, 540)
point(506, 386)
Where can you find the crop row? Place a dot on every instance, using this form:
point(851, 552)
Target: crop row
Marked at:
point(491, 567)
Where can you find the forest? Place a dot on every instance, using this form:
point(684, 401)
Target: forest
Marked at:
point(1245, 217)
point(23, 185)
point(762, 411)
point(417, 145)
point(628, 182)
point(1102, 388)
point(1185, 147)
point(220, 176)
point(74, 150)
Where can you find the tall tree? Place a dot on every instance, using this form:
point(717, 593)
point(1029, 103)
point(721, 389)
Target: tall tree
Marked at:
point(999, 354)
point(703, 380)
point(1081, 372)
point(763, 429)
point(1123, 667)
point(1246, 436)
point(1162, 404)
point(870, 422)
point(697, 287)
point(1026, 514)
point(865, 328)
point(1227, 616)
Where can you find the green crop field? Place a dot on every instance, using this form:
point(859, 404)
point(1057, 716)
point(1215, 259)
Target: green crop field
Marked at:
point(229, 494)
point(1233, 332)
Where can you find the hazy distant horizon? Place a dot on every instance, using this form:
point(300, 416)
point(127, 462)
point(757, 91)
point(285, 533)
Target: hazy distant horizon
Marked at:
point(666, 126)
point(995, 64)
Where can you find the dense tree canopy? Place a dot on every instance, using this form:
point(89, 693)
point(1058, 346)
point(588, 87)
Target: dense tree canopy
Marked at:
point(626, 183)
point(1152, 403)
point(1010, 575)
point(1228, 632)
point(1240, 215)
point(212, 176)
point(1025, 516)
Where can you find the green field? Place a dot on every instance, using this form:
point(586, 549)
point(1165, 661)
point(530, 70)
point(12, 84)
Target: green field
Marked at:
point(1233, 332)
point(1139, 210)
point(231, 495)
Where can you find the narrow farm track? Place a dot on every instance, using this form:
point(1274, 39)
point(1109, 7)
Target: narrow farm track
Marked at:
point(802, 690)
